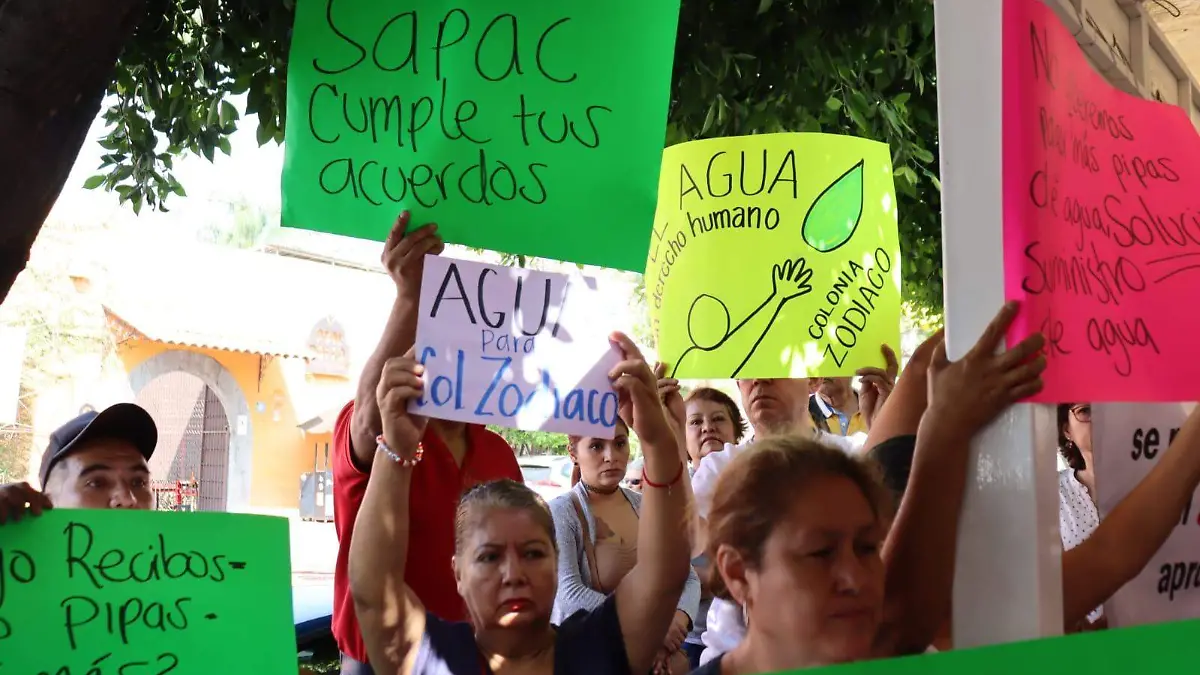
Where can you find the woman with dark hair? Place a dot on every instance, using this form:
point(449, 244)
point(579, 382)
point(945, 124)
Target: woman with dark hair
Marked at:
point(1077, 514)
point(596, 525)
point(1101, 556)
point(505, 556)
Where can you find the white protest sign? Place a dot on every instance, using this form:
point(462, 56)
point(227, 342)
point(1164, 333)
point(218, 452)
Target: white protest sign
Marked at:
point(514, 347)
point(1127, 440)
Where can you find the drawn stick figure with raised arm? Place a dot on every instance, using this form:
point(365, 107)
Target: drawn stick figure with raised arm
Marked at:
point(709, 321)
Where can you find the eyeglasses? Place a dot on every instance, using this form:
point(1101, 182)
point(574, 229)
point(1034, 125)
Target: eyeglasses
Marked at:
point(1082, 413)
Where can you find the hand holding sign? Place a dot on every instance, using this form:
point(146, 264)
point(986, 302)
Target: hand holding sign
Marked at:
point(877, 385)
point(969, 393)
point(399, 385)
point(668, 391)
point(637, 394)
point(17, 498)
point(404, 253)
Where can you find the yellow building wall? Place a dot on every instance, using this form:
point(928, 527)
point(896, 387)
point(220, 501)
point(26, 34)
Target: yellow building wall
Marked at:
point(281, 451)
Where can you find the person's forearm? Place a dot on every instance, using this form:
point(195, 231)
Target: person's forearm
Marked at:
point(399, 334)
point(919, 553)
point(663, 537)
point(1137, 527)
point(379, 545)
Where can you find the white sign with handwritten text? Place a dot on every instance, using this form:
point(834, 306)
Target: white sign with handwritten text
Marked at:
point(1127, 440)
point(514, 347)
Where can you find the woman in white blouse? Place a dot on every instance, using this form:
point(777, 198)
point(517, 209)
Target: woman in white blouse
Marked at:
point(1101, 557)
point(1077, 514)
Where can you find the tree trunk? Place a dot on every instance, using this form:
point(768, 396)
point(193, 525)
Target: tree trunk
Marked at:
point(56, 61)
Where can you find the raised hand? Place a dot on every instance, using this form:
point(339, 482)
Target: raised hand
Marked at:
point(404, 253)
point(637, 394)
point(877, 385)
point(669, 394)
point(969, 393)
point(400, 383)
point(791, 279)
point(18, 498)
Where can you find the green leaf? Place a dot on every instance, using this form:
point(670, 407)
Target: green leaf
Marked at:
point(901, 98)
point(907, 174)
point(921, 154)
point(834, 216)
point(223, 144)
point(764, 6)
point(859, 120)
point(708, 119)
point(177, 188)
point(265, 132)
point(228, 113)
point(93, 182)
point(834, 103)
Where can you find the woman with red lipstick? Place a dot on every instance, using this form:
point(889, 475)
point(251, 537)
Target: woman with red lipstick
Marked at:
point(802, 538)
point(505, 561)
point(596, 525)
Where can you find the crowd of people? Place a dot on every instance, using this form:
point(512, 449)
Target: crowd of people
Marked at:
point(819, 529)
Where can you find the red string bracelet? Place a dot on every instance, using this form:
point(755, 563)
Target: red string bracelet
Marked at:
point(674, 481)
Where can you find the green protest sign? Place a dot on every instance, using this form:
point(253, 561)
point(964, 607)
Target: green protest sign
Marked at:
point(1166, 648)
point(527, 127)
point(145, 593)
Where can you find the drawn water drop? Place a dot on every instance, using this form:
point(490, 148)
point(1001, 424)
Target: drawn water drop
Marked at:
point(834, 215)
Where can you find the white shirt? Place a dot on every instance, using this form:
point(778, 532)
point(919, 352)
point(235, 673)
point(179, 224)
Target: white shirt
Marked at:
point(1077, 517)
point(724, 628)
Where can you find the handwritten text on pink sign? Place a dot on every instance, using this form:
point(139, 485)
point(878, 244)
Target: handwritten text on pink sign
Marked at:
point(1101, 222)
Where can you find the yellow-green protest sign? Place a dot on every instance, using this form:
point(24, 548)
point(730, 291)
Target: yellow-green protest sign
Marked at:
point(145, 593)
point(530, 127)
point(774, 256)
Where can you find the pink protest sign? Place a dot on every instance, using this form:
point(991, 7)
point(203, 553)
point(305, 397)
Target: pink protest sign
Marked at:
point(1101, 221)
point(515, 347)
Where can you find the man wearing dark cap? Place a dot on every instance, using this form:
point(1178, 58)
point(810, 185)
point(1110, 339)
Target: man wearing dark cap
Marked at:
point(95, 461)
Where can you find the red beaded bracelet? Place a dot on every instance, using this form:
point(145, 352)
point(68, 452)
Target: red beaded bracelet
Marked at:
point(674, 481)
point(406, 462)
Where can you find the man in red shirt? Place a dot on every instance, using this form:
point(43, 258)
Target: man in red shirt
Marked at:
point(457, 456)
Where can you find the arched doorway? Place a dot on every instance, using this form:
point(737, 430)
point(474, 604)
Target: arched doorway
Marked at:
point(230, 402)
point(190, 464)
